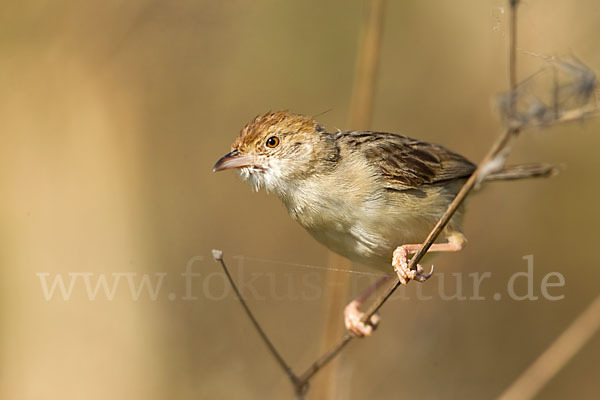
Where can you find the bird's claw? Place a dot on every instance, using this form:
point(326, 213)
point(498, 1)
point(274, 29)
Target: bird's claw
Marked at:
point(420, 276)
point(403, 270)
point(353, 320)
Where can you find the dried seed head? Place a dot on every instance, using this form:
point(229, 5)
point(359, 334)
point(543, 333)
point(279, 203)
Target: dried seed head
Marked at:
point(560, 86)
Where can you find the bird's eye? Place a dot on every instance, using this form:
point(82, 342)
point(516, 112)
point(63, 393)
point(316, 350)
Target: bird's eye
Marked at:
point(272, 142)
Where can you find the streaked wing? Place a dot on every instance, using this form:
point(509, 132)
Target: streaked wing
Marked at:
point(408, 163)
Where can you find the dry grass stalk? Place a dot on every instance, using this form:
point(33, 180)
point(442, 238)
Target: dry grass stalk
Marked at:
point(361, 114)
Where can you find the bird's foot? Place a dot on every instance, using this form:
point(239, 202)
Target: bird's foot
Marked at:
point(402, 268)
point(353, 320)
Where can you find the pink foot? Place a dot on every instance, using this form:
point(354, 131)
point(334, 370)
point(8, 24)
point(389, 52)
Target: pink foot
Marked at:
point(353, 317)
point(400, 264)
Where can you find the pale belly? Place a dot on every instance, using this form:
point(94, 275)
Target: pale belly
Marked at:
point(368, 228)
point(371, 242)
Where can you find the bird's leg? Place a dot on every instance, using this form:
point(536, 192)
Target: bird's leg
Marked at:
point(456, 242)
point(353, 316)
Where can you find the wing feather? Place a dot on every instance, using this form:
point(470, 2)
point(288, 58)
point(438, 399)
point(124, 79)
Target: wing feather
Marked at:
point(408, 163)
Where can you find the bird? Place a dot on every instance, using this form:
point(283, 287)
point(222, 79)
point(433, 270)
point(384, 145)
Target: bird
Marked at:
point(369, 196)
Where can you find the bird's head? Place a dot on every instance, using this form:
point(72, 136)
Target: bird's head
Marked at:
point(277, 149)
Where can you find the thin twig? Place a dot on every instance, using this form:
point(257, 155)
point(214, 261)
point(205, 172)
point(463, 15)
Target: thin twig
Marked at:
point(512, 47)
point(325, 358)
point(547, 365)
point(298, 385)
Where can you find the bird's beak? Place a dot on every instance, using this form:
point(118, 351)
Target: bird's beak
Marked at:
point(234, 160)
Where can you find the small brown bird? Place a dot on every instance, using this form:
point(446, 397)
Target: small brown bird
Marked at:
point(369, 196)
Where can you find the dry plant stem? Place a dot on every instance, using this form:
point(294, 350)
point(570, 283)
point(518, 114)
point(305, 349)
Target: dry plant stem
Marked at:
point(361, 113)
point(325, 358)
point(512, 48)
point(363, 92)
point(298, 385)
point(334, 300)
point(547, 365)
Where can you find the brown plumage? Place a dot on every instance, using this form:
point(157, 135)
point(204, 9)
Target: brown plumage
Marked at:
point(408, 163)
point(362, 194)
point(279, 122)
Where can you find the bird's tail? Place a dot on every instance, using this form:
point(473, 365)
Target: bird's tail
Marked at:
point(523, 171)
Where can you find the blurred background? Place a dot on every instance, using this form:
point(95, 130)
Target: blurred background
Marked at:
point(112, 114)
